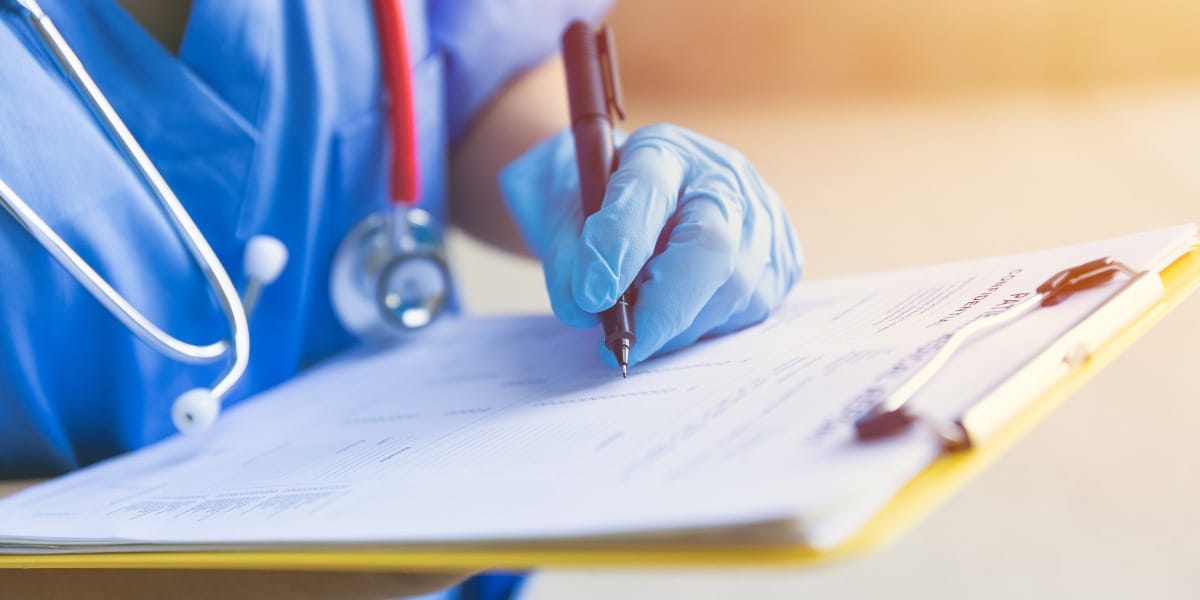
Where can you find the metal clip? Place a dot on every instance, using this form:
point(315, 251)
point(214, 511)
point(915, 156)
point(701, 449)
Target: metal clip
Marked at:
point(606, 44)
point(893, 415)
point(1083, 277)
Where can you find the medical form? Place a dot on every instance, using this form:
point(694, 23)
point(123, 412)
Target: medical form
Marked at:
point(446, 441)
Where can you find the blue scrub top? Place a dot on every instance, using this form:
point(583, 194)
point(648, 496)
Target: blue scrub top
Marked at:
point(270, 120)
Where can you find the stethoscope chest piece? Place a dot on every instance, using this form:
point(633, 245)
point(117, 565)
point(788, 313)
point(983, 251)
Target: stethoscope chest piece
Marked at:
point(389, 275)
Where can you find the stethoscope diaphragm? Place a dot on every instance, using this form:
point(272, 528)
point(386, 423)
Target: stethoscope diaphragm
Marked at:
point(389, 275)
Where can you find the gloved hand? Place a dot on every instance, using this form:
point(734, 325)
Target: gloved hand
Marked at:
point(684, 217)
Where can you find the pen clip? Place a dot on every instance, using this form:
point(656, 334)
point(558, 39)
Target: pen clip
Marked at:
point(608, 67)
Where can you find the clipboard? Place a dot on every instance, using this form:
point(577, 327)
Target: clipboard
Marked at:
point(919, 497)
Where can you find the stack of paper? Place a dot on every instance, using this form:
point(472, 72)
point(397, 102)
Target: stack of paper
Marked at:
point(510, 429)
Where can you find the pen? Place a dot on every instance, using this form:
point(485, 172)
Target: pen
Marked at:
point(594, 93)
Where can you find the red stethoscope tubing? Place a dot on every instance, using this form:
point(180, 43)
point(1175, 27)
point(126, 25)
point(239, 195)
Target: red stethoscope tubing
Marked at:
point(397, 77)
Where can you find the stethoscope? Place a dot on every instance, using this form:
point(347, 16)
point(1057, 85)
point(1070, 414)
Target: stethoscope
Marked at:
point(389, 275)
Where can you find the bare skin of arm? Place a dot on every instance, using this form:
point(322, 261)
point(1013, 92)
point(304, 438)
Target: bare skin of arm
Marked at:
point(72, 584)
point(530, 108)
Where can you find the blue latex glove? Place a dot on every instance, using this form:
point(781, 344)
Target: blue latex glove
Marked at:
point(684, 217)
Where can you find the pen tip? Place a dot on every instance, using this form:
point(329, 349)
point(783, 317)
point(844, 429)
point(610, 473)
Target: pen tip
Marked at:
point(621, 353)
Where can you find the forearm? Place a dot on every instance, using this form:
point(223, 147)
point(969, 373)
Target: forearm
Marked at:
point(185, 584)
point(530, 107)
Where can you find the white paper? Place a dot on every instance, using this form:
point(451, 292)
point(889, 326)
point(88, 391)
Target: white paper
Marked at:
point(511, 428)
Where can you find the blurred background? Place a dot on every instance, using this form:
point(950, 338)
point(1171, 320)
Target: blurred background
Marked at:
point(802, 48)
point(915, 131)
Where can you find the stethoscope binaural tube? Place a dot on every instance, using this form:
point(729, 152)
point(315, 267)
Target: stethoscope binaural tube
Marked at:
point(195, 409)
point(388, 259)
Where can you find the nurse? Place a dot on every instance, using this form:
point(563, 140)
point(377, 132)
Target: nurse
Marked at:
point(269, 118)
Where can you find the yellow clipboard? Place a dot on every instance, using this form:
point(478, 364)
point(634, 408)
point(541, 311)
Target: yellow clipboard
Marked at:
point(920, 496)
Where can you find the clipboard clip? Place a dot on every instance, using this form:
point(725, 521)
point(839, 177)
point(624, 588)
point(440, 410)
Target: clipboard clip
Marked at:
point(893, 415)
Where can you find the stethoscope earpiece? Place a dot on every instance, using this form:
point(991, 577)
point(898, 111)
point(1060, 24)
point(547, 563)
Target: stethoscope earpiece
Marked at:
point(265, 258)
point(263, 262)
point(195, 410)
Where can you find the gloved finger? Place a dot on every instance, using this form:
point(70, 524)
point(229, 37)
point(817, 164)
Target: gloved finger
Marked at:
point(714, 314)
point(784, 250)
point(730, 304)
point(559, 264)
point(756, 311)
point(617, 240)
point(698, 259)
